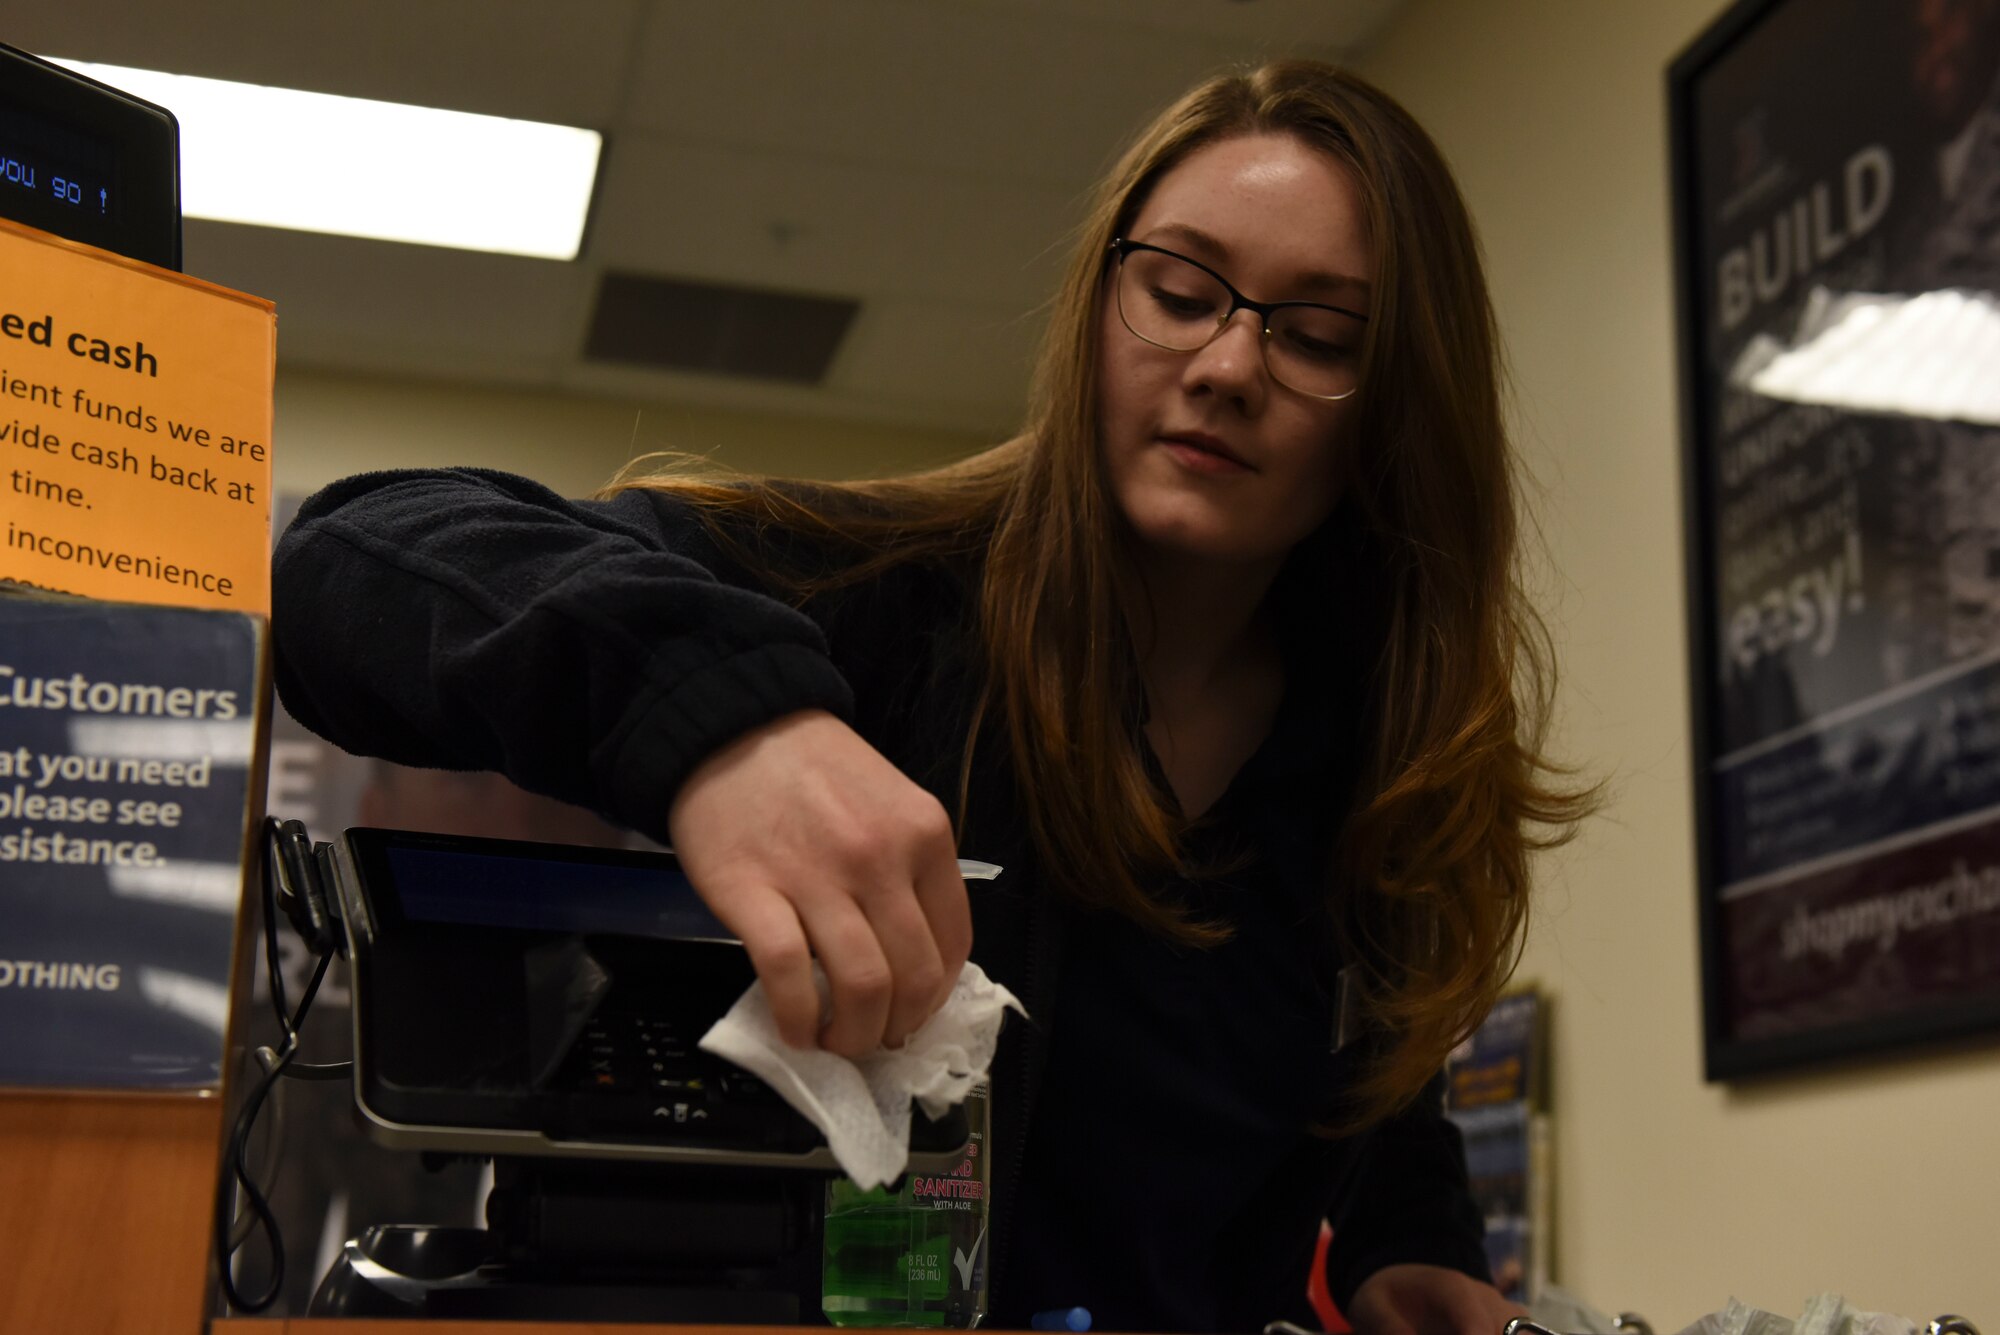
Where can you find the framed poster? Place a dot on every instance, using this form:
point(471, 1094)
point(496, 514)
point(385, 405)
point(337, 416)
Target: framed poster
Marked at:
point(1836, 196)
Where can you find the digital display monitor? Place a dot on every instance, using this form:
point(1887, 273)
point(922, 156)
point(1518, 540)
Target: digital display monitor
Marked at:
point(571, 895)
point(84, 161)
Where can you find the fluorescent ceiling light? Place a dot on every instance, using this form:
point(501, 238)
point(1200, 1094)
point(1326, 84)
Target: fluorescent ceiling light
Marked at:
point(1935, 354)
point(277, 157)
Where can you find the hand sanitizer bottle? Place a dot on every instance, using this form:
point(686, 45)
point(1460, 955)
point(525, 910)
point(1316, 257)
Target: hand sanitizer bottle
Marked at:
point(916, 1256)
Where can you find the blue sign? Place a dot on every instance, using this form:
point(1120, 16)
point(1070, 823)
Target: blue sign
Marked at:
point(127, 736)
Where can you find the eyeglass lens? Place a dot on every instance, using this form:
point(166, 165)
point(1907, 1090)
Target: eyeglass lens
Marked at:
point(1173, 304)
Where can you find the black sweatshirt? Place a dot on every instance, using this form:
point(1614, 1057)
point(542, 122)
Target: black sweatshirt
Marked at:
point(1155, 1157)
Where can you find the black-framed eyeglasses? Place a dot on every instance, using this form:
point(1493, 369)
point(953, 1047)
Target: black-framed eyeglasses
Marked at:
point(1179, 304)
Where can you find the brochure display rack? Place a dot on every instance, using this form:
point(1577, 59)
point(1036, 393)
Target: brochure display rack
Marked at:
point(135, 420)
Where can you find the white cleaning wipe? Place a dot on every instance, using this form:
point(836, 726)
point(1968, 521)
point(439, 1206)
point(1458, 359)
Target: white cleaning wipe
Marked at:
point(862, 1105)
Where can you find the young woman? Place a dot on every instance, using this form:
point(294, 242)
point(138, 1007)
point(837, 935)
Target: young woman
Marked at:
point(1222, 658)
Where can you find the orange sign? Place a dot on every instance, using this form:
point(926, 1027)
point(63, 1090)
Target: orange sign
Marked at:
point(135, 429)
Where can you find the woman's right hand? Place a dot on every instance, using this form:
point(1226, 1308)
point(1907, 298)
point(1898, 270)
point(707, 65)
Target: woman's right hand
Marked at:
point(806, 842)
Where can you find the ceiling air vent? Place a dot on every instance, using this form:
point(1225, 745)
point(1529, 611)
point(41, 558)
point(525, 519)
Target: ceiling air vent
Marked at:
point(671, 324)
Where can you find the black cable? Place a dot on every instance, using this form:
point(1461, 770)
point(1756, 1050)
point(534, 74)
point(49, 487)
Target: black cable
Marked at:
point(260, 1210)
point(232, 1233)
point(272, 1119)
point(274, 976)
point(237, 1229)
point(267, 1059)
point(239, 1140)
point(228, 1240)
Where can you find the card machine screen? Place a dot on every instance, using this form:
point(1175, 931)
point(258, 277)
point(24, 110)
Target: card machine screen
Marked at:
point(481, 890)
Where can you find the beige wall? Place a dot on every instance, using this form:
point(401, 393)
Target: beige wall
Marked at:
point(331, 425)
point(1882, 1181)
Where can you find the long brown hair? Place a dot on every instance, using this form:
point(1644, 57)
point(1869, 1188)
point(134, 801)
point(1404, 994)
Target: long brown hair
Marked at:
point(1429, 890)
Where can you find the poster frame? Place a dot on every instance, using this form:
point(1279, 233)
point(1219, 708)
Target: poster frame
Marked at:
point(1725, 1057)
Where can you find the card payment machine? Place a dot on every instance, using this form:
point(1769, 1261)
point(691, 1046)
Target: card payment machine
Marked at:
point(541, 1004)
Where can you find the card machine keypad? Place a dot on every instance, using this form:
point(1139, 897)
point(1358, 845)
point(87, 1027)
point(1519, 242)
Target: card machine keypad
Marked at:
point(635, 1074)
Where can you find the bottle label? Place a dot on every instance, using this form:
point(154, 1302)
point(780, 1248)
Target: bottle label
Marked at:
point(916, 1257)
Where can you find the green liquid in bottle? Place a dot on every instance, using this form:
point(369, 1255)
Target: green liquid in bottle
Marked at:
point(916, 1256)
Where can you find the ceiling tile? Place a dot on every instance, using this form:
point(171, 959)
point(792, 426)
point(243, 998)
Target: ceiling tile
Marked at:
point(337, 293)
point(792, 221)
point(979, 89)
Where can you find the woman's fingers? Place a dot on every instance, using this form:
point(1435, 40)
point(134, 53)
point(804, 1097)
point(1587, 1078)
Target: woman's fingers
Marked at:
point(888, 968)
point(916, 968)
point(769, 928)
point(860, 981)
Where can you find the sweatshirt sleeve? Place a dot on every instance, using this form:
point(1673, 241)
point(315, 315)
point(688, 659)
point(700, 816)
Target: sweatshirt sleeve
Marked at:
point(591, 651)
point(1410, 1202)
